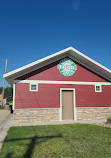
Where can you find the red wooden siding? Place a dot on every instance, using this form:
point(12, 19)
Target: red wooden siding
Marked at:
point(48, 96)
point(50, 72)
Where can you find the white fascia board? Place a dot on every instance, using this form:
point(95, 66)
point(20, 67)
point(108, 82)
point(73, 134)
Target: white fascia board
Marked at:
point(92, 68)
point(91, 60)
point(35, 63)
point(75, 53)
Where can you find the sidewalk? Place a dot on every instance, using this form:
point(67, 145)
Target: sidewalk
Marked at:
point(5, 124)
point(59, 123)
point(3, 115)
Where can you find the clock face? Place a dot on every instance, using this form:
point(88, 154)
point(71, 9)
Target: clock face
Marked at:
point(67, 67)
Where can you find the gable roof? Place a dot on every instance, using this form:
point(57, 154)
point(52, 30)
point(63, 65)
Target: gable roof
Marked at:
point(70, 52)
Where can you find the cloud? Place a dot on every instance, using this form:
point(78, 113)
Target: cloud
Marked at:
point(76, 4)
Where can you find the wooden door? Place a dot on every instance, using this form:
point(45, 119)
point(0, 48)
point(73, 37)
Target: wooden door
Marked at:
point(67, 105)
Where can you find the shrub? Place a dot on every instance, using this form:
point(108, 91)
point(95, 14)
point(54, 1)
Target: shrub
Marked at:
point(109, 119)
point(2, 107)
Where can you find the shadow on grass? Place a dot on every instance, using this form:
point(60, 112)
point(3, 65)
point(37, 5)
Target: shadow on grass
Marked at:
point(33, 141)
point(29, 151)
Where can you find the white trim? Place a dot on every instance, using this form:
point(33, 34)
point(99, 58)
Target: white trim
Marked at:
point(33, 84)
point(75, 111)
point(13, 96)
point(60, 104)
point(60, 112)
point(70, 51)
point(88, 67)
point(99, 86)
point(91, 60)
point(22, 73)
point(75, 114)
point(61, 82)
point(36, 62)
point(26, 81)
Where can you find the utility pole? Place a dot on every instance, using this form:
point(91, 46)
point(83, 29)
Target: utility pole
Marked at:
point(4, 82)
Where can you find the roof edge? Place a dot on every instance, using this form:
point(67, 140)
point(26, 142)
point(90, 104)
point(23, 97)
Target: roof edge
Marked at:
point(88, 58)
point(26, 67)
point(35, 62)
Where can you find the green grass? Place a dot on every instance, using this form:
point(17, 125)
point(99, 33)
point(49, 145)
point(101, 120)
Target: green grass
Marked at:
point(60, 141)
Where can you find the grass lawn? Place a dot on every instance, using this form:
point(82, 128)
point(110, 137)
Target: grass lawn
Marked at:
point(58, 141)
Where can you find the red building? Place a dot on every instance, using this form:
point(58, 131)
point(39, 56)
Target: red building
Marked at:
point(67, 85)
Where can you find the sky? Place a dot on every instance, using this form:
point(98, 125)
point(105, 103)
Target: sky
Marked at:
point(33, 29)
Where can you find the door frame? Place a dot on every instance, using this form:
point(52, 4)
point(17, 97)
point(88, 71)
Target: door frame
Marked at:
point(74, 98)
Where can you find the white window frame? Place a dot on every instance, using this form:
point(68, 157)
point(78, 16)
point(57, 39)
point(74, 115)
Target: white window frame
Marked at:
point(100, 88)
point(36, 87)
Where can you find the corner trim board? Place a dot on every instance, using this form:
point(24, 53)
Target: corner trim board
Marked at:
point(13, 96)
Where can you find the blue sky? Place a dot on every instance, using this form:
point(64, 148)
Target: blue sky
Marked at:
point(33, 29)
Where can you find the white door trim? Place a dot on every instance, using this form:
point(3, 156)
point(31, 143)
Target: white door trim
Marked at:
point(74, 98)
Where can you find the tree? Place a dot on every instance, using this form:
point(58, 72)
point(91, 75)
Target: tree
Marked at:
point(8, 93)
